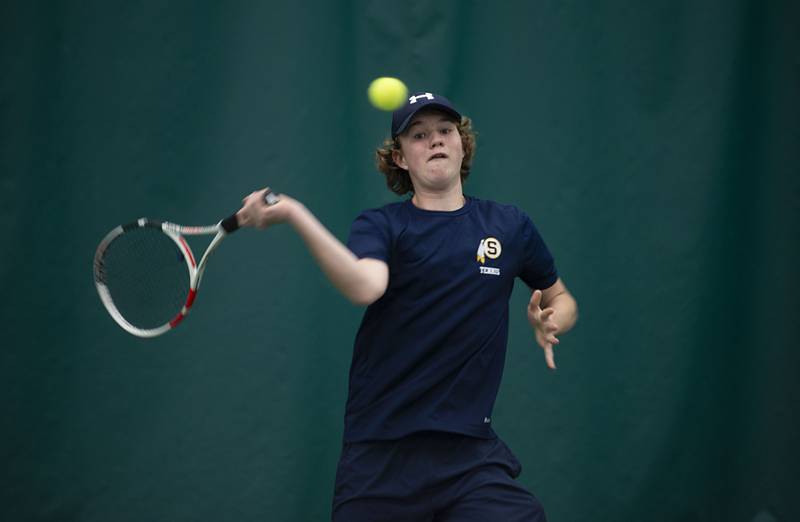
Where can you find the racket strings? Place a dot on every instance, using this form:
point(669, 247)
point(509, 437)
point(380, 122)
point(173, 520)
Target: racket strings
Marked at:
point(146, 276)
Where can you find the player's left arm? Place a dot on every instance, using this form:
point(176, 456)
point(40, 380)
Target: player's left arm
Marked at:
point(551, 312)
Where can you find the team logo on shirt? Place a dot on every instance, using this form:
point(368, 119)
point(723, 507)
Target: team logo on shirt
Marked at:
point(491, 248)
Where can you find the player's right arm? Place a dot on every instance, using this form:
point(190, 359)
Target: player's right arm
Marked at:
point(362, 281)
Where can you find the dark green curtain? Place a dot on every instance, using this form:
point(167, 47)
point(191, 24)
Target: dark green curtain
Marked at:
point(655, 144)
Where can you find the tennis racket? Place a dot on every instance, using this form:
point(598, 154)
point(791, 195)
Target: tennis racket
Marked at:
point(146, 274)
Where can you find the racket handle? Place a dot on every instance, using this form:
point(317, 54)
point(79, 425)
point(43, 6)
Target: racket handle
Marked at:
point(270, 198)
point(230, 224)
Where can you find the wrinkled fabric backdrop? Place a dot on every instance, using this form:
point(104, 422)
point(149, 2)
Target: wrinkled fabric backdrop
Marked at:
point(655, 144)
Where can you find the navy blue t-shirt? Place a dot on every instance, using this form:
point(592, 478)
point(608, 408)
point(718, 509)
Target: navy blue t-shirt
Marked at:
point(429, 353)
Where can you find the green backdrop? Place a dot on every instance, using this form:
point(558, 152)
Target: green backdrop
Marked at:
point(655, 144)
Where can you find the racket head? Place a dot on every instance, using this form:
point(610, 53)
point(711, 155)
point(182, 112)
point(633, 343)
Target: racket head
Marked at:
point(143, 273)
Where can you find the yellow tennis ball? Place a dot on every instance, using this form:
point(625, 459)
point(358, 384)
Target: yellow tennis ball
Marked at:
point(387, 94)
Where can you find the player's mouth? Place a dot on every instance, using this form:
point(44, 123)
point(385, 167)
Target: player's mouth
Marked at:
point(438, 155)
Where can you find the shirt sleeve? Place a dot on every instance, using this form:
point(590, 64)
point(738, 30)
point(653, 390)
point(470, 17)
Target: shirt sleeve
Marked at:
point(370, 236)
point(538, 267)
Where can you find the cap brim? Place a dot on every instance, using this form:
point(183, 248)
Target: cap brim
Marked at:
point(444, 108)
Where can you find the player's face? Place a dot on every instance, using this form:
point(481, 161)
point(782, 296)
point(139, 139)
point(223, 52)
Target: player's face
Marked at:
point(431, 151)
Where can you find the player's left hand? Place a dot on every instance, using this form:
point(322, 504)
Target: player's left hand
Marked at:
point(544, 326)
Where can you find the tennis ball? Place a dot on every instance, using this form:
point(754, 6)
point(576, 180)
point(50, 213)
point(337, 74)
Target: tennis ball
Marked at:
point(387, 94)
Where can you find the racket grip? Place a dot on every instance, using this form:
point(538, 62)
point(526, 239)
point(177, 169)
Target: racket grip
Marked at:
point(270, 198)
point(230, 224)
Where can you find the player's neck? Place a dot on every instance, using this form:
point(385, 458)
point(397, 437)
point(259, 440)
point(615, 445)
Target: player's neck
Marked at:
point(443, 201)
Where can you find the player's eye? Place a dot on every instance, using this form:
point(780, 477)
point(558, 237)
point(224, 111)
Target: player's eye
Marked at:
point(446, 131)
point(419, 135)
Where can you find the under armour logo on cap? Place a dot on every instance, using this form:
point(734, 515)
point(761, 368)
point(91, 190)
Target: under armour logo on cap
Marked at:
point(401, 118)
point(413, 99)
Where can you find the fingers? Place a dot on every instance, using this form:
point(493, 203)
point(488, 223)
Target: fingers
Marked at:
point(548, 356)
point(548, 338)
point(260, 193)
point(543, 321)
point(546, 342)
point(549, 327)
point(251, 213)
point(536, 299)
point(551, 339)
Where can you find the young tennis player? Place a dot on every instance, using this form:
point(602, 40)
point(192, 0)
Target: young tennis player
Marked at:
point(436, 272)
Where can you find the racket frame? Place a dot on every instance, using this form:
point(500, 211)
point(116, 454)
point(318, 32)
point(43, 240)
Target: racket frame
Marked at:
point(196, 270)
point(176, 233)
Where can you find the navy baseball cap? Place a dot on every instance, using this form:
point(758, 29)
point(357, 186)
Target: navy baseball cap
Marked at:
point(416, 102)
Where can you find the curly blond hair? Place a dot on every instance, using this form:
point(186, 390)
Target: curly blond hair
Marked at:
point(398, 180)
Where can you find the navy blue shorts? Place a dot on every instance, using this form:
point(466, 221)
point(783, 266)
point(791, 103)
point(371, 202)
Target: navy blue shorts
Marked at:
point(427, 477)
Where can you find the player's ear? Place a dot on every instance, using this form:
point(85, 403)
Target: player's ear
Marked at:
point(399, 159)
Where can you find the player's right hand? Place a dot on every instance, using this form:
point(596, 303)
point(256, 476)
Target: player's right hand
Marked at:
point(256, 213)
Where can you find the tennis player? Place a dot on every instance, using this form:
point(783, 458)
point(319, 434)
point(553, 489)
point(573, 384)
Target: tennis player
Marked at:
point(436, 272)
